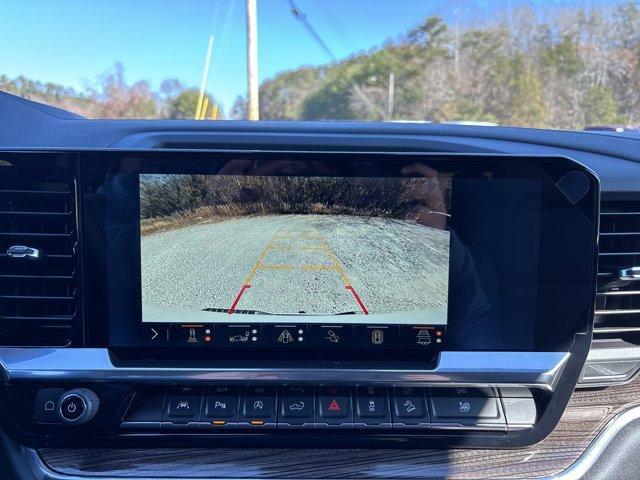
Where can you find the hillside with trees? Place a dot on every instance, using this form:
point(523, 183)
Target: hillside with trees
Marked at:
point(579, 67)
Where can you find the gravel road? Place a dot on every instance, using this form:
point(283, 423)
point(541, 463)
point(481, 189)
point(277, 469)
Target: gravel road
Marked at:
point(316, 264)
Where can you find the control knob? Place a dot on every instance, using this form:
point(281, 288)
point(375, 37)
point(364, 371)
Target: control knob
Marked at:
point(78, 406)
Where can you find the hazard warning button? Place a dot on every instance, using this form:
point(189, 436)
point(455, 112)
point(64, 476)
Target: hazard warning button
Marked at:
point(335, 407)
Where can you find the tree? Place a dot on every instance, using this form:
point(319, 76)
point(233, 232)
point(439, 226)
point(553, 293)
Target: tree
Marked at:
point(600, 107)
point(239, 109)
point(185, 104)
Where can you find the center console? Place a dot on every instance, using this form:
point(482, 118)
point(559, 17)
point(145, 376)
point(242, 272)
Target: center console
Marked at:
point(314, 298)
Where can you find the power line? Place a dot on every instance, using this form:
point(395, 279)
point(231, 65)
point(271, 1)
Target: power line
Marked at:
point(302, 17)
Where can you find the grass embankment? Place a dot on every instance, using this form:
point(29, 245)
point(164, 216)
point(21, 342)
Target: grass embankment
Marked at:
point(176, 201)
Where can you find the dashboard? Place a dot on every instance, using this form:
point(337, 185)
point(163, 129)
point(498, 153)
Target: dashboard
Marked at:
point(327, 286)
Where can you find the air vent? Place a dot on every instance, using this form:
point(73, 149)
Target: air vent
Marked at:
point(614, 357)
point(38, 262)
point(618, 298)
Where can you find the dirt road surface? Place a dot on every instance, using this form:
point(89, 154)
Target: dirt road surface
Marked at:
point(314, 264)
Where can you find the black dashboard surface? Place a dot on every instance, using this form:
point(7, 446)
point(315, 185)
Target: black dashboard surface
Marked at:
point(613, 158)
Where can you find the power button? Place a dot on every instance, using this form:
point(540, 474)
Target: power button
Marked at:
point(72, 407)
point(78, 406)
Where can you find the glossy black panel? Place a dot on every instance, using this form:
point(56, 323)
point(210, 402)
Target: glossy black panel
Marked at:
point(518, 247)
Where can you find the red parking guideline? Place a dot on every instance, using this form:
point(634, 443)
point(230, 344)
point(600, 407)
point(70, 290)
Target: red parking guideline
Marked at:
point(235, 302)
point(355, 295)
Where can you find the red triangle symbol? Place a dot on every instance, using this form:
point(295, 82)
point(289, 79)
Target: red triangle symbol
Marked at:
point(334, 406)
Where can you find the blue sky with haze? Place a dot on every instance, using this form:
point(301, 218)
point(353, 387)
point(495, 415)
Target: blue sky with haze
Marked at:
point(73, 41)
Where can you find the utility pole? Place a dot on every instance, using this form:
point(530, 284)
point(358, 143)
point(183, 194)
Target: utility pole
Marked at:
point(392, 87)
point(253, 109)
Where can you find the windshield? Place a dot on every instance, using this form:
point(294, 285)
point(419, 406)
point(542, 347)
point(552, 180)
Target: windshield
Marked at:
point(560, 65)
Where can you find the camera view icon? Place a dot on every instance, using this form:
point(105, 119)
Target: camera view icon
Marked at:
point(239, 338)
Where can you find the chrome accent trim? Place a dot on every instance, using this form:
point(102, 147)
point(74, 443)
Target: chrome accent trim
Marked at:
point(22, 251)
point(631, 273)
point(532, 369)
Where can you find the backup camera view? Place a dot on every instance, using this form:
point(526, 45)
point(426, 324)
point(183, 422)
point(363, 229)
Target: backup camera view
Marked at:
point(220, 248)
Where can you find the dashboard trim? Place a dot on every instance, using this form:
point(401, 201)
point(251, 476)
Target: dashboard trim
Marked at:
point(578, 469)
point(532, 369)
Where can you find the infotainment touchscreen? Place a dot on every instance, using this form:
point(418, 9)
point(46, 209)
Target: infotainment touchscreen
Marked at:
point(317, 250)
point(336, 255)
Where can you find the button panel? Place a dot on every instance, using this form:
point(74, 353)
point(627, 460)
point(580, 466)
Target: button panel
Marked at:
point(304, 407)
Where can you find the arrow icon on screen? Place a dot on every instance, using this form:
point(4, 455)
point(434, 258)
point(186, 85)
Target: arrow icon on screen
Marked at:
point(155, 334)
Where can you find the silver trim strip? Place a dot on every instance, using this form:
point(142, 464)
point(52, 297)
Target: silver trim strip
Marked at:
point(577, 470)
point(533, 369)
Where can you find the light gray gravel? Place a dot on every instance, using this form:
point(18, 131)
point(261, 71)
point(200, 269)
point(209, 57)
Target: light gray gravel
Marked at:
point(392, 265)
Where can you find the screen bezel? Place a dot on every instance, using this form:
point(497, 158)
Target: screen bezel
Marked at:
point(95, 165)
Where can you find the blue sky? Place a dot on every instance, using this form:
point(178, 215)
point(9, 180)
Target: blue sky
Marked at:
point(73, 41)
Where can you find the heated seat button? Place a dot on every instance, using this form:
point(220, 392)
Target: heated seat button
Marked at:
point(476, 412)
point(46, 405)
point(469, 407)
point(334, 407)
point(409, 407)
point(258, 407)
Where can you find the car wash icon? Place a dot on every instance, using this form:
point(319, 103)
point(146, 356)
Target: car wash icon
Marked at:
point(423, 337)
